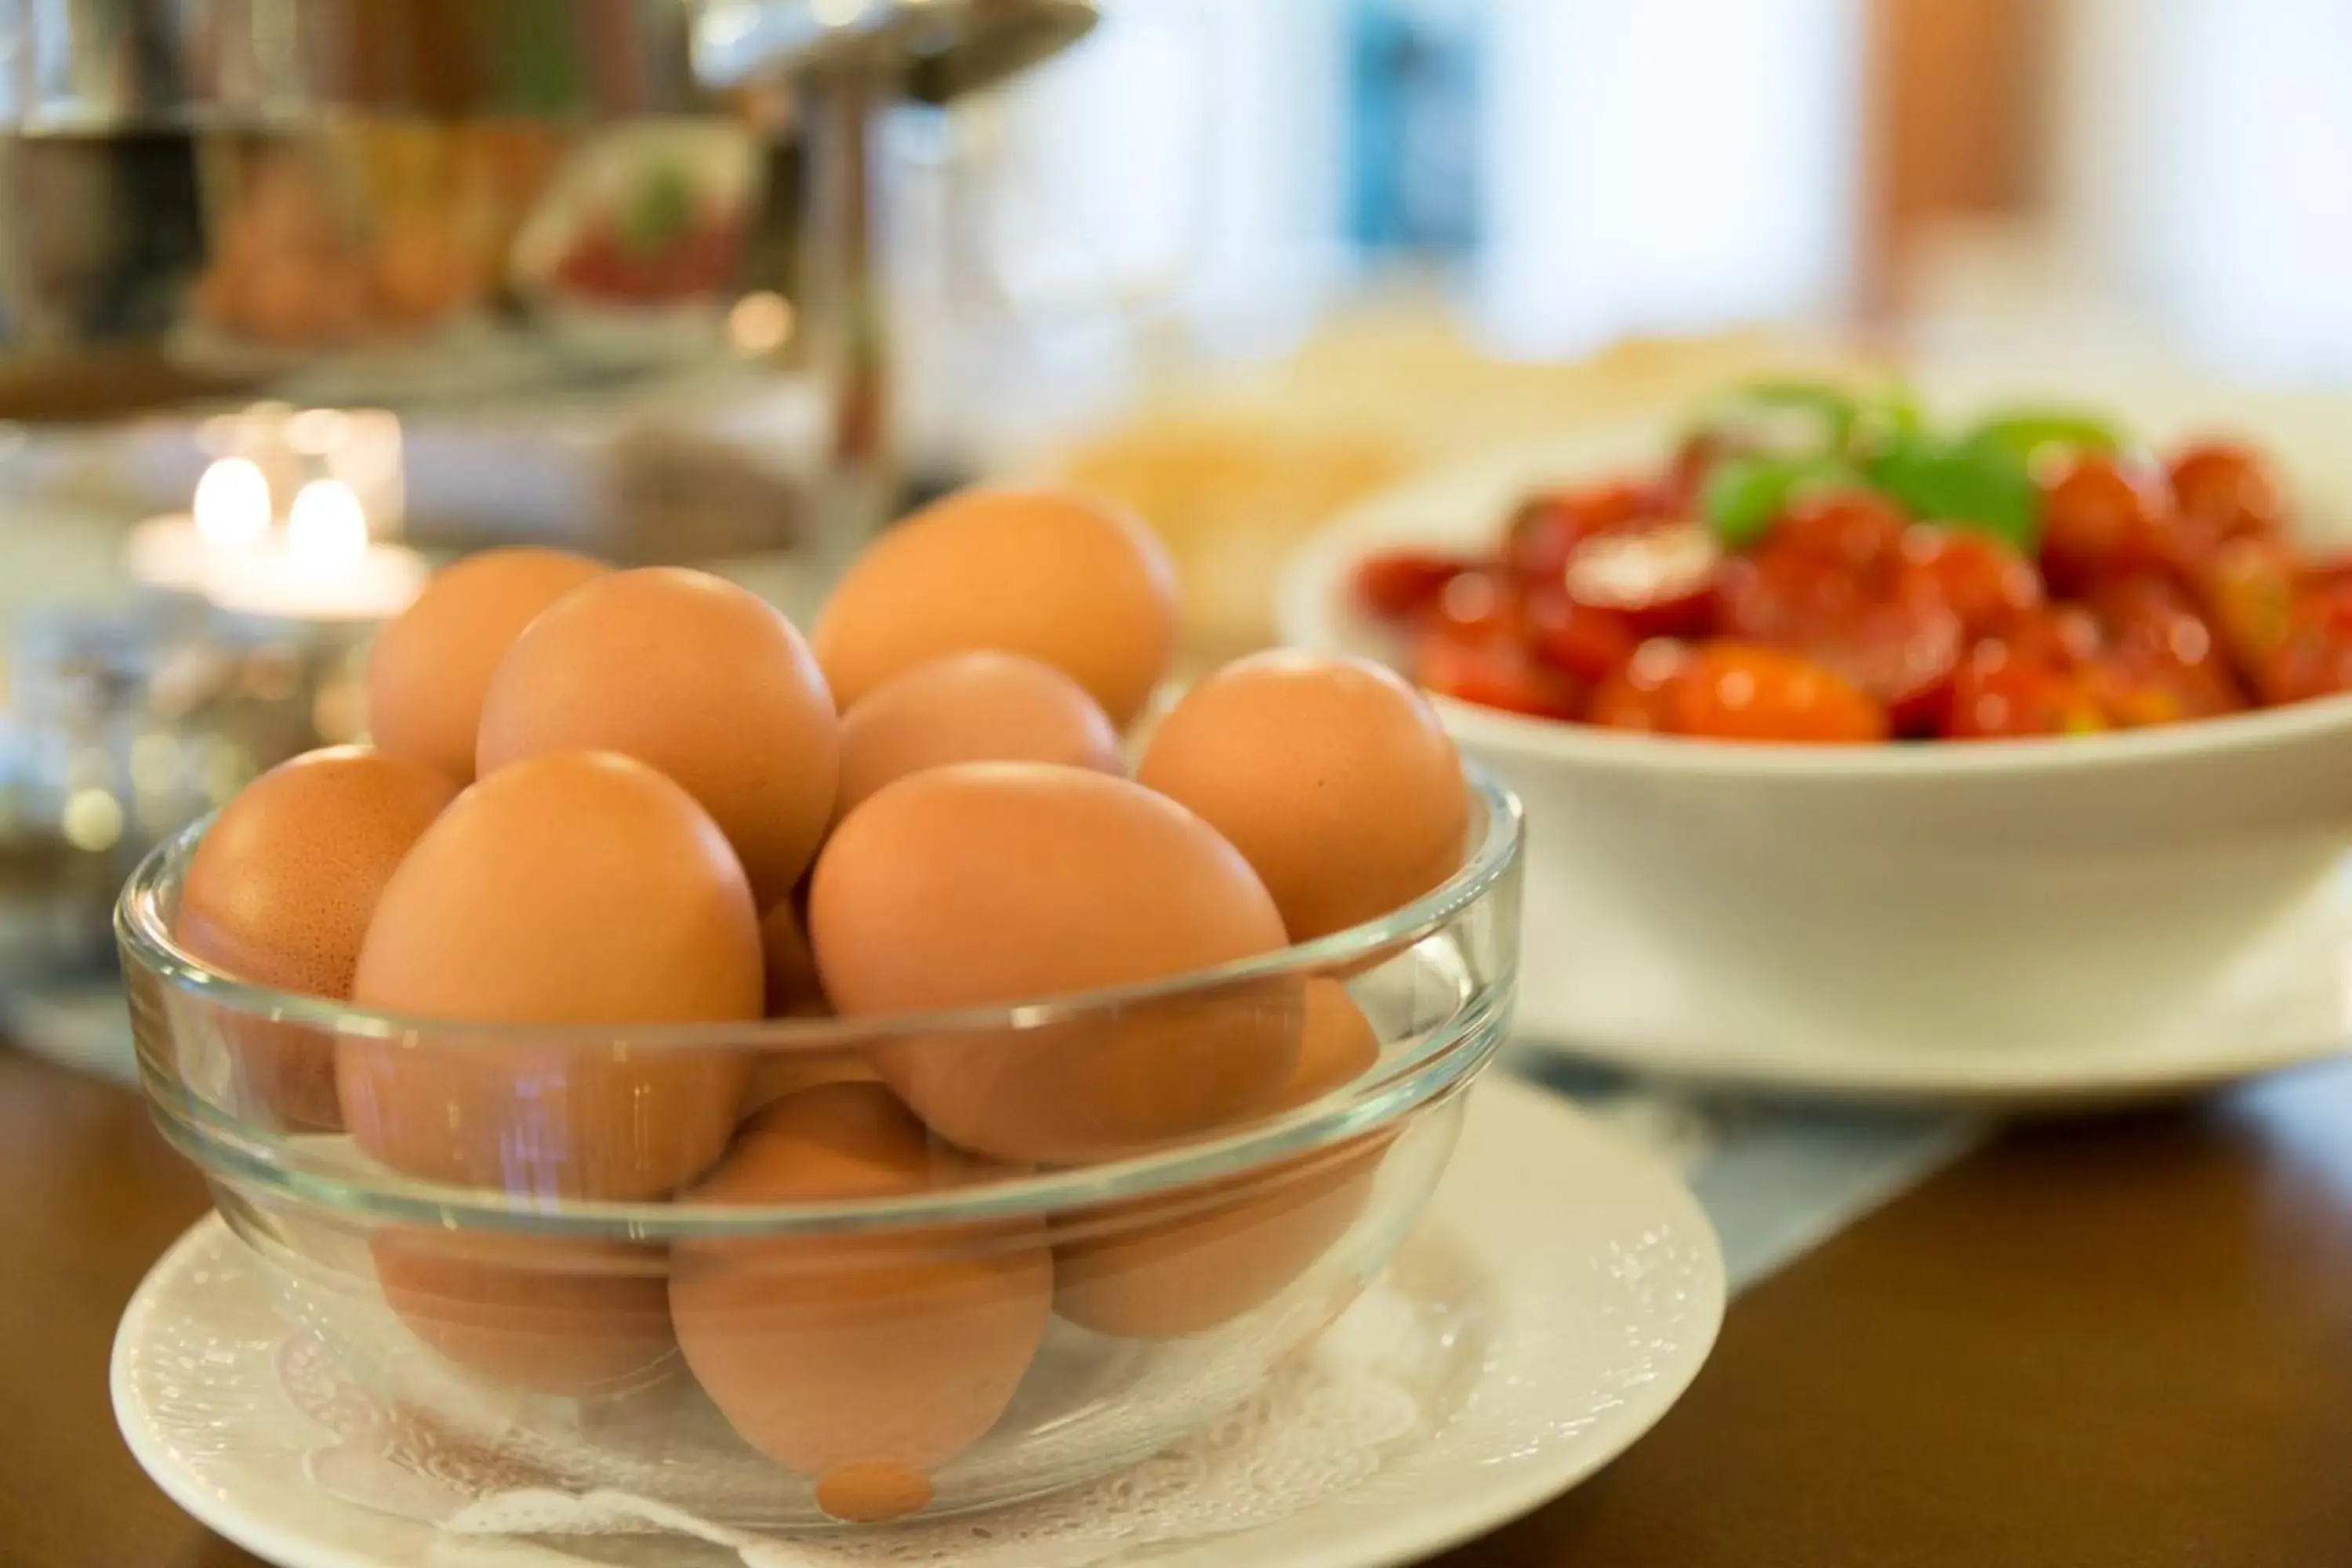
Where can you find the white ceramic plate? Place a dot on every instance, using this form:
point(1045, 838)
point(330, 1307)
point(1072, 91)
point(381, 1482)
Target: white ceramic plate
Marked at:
point(1559, 1294)
point(1904, 925)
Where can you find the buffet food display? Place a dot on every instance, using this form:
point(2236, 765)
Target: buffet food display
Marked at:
point(1810, 563)
point(813, 1077)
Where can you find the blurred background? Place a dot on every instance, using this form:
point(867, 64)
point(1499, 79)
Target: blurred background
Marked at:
point(1240, 261)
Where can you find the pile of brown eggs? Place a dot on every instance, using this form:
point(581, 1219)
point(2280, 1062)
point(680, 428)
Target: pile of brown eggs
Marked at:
point(614, 799)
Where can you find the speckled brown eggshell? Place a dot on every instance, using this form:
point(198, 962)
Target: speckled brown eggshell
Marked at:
point(431, 664)
point(868, 1360)
point(970, 708)
point(574, 1319)
point(1332, 777)
point(988, 883)
point(701, 679)
point(1193, 1261)
point(279, 893)
point(1072, 580)
point(577, 890)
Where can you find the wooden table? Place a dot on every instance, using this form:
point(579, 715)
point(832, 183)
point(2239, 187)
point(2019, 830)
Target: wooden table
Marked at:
point(2121, 1342)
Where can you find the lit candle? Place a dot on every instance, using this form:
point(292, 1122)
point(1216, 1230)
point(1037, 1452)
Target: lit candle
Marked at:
point(320, 566)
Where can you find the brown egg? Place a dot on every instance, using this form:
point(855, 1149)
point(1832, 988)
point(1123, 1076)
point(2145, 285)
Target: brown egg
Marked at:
point(1332, 777)
point(794, 992)
point(1076, 583)
point(568, 1318)
point(792, 987)
point(432, 663)
point(1196, 1260)
point(779, 1075)
point(984, 883)
point(704, 681)
point(583, 889)
point(279, 893)
point(970, 708)
point(865, 1361)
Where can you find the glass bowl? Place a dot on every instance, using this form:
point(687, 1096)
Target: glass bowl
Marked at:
point(721, 1268)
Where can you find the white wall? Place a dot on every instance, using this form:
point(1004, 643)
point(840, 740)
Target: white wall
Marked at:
point(1669, 164)
point(2205, 164)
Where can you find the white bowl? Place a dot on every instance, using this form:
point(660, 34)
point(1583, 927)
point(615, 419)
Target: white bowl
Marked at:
point(2070, 891)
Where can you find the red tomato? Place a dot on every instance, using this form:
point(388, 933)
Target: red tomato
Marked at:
point(1980, 582)
point(1904, 653)
point(1661, 577)
point(2101, 515)
point(1492, 673)
point(1783, 597)
point(1744, 692)
point(1587, 643)
point(2305, 666)
point(1643, 692)
point(2152, 623)
point(1546, 528)
point(1476, 607)
point(2227, 491)
point(1999, 695)
point(1398, 585)
point(2139, 687)
point(1854, 531)
point(2247, 591)
point(2057, 636)
point(2314, 658)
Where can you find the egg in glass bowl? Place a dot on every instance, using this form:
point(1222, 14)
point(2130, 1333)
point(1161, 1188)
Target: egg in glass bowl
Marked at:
point(1980, 754)
point(802, 1080)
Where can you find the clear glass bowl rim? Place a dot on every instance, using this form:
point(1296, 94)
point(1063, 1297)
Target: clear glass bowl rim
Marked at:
point(250, 1155)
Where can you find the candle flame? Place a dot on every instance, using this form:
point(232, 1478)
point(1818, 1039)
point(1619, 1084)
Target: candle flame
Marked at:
point(326, 529)
point(231, 504)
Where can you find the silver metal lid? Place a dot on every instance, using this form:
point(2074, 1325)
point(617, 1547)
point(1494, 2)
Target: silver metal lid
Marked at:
point(940, 49)
point(98, 65)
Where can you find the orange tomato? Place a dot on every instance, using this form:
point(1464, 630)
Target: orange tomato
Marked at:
point(1743, 691)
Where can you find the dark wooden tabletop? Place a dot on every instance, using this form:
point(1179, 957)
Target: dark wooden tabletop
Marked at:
point(2122, 1342)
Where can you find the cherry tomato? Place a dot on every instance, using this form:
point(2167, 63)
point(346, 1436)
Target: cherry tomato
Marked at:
point(1980, 581)
point(1783, 596)
point(2161, 661)
point(1997, 695)
point(1904, 653)
point(1477, 606)
point(1587, 643)
point(1398, 585)
point(1546, 528)
point(2139, 689)
point(1492, 673)
point(2227, 491)
point(2247, 591)
point(2305, 666)
point(1660, 577)
point(1854, 531)
point(2314, 658)
point(2101, 514)
point(1643, 692)
point(2057, 636)
point(1745, 691)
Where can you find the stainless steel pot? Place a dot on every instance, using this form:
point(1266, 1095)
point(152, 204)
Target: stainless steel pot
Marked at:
point(407, 201)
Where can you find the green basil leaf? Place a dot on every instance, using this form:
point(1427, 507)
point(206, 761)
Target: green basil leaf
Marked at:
point(2026, 433)
point(1880, 421)
point(1745, 495)
point(1964, 484)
